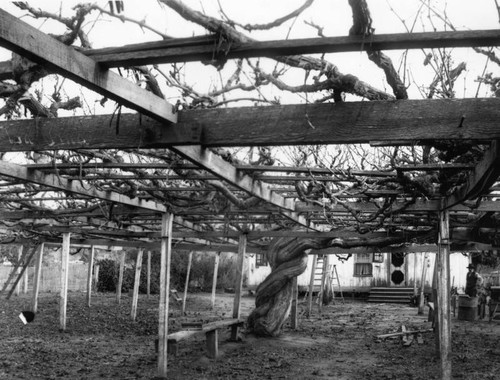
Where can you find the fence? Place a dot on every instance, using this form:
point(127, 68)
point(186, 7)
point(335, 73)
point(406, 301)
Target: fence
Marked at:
point(50, 279)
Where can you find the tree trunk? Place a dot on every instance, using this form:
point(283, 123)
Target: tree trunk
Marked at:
point(288, 259)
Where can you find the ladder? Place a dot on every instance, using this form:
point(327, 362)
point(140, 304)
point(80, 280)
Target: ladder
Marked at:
point(331, 278)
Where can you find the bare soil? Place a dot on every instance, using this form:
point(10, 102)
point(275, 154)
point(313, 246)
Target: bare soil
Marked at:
point(102, 342)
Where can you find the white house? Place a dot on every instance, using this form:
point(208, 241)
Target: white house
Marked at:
point(366, 269)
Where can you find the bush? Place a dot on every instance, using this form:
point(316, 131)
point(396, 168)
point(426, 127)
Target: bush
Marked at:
point(202, 269)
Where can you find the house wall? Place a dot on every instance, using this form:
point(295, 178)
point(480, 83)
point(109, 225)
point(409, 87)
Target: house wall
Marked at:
point(380, 277)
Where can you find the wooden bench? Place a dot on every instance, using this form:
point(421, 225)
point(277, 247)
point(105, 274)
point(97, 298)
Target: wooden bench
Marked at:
point(211, 331)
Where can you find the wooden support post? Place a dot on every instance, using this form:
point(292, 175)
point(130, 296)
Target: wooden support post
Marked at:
point(415, 274)
point(120, 278)
point(295, 294)
point(89, 274)
point(19, 255)
point(212, 343)
point(25, 282)
point(443, 295)
point(63, 298)
point(96, 278)
point(165, 252)
point(435, 301)
point(311, 286)
point(422, 286)
point(214, 280)
point(242, 246)
point(148, 283)
point(36, 279)
point(186, 285)
point(137, 282)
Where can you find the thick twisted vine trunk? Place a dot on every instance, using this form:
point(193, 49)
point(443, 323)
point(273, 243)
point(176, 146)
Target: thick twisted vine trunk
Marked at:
point(288, 259)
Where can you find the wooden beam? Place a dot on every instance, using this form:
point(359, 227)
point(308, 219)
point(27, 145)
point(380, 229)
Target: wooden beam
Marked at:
point(28, 41)
point(120, 278)
point(137, 281)
point(334, 123)
point(443, 295)
point(35, 176)
point(148, 274)
point(480, 180)
point(63, 295)
point(210, 48)
point(214, 279)
point(132, 131)
point(238, 286)
point(37, 276)
point(186, 284)
point(165, 251)
point(89, 274)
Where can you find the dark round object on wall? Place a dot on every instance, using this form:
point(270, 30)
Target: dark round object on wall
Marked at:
point(397, 259)
point(397, 277)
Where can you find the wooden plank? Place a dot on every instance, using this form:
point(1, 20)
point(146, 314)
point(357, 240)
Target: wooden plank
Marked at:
point(137, 280)
point(294, 309)
point(89, 274)
point(480, 180)
point(443, 295)
point(214, 279)
point(334, 123)
point(36, 278)
point(212, 338)
point(221, 324)
point(165, 252)
point(186, 284)
point(28, 41)
point(311, 286)
point(148, 282)
point(238, 283)
point(20, 172)
point(19, 256)
point(120, 278)
point(197, 49)
point(63, 295)
point(133, 131)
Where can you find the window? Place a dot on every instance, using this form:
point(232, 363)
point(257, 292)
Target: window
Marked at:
point(260, 260)
point(363, 265)
point(378, 257)
point(363, 269)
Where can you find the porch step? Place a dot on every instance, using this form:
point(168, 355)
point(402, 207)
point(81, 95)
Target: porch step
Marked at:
point(390, 295)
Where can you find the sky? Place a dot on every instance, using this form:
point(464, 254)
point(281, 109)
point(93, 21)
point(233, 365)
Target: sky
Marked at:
point(334, 15)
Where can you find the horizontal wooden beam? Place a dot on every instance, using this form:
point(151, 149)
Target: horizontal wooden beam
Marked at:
point(418, 206)
point(339, 123)
point(28, 41)
point(132, 131)
point(35, 176)
point(209, 48)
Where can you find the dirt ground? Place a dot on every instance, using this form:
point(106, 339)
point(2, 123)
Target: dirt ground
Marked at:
point(340, 343)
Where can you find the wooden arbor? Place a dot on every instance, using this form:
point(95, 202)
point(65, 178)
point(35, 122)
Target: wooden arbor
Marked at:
point(190, 133)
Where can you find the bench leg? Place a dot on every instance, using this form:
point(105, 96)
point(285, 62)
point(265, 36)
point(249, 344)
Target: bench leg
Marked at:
point(212, 343)
point(172, 348)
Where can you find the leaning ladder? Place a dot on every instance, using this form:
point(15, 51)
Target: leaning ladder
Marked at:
point(335, 276)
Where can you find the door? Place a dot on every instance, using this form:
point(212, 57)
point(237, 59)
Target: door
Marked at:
point(397, 272)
